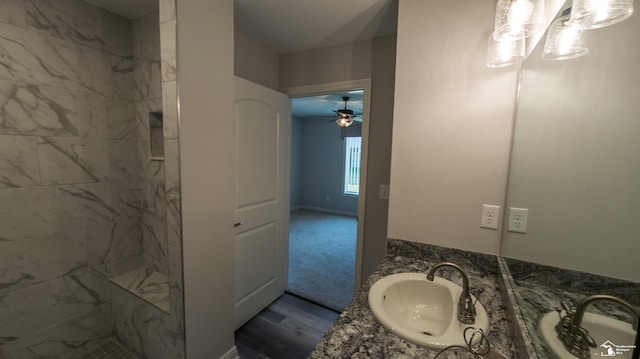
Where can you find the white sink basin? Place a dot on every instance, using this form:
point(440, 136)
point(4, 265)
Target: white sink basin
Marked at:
point(421, 311)
point(606, 331)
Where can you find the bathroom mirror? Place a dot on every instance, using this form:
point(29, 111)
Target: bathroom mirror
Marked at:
point(576, 157)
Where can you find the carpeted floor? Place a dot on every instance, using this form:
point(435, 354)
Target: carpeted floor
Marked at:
point(322, 250)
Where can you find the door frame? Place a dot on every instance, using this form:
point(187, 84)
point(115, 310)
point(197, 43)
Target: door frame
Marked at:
point(365, 84)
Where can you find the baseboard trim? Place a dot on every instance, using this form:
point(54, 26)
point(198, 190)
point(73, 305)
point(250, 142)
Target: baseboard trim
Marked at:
point(329, 211)
point(231, 354)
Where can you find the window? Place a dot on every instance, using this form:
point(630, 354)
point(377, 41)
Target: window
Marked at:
point(352, 151)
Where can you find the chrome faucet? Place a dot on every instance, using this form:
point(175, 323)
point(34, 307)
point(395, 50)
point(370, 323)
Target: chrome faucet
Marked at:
point(466, 307)
point(574, 337)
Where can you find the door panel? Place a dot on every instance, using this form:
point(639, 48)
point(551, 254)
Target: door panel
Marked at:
point(257, 256)
point(258, 161)
point(262, 118)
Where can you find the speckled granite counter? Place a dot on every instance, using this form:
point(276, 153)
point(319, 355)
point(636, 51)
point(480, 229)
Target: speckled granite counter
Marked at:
point(357, 334)
point(539, 289)
point(515, 293)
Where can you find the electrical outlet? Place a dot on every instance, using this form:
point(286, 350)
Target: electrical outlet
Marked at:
point(490, 216)
point(518, 220)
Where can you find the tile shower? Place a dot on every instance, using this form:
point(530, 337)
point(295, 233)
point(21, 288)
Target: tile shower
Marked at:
point(85, 215)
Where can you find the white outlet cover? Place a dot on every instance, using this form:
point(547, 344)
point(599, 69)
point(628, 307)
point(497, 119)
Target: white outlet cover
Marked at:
point(490, 216)
point(518, 220)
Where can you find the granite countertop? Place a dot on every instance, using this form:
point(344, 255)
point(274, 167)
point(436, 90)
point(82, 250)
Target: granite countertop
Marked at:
point(539, 289)
point(357, 334)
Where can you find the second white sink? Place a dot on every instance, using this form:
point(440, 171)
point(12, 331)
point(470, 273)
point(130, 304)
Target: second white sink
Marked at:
point(421, 311)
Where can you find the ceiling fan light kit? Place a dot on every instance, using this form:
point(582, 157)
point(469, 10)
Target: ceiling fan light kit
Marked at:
point(345, 116)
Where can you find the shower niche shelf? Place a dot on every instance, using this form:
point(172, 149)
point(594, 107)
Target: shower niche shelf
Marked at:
point(156, 136)
point(147, 284)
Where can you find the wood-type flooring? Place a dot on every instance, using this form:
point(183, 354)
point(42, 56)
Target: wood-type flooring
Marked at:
point(289, 328)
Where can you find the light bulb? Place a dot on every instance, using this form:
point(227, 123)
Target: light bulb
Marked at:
point(564, 40)
point(594, 14)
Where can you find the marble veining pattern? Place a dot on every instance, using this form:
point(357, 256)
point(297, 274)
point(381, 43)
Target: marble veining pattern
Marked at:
point(105, 117)
point(27, 310)
point(357, 334)
point(122, 69)
point(167, 10)
point(31, 211)
point(168, 50)
point(115, 248)
point(145, 283)
point(29, 109)
point(172, 167)
point(154, 243)
point(147, 330)
point(540, 289)
point(175, 271)
point(35, 260)
point(174, 227)
point(33, 58)
point(59, 19)
point(147, 78)
point(61, 339)
point(71, 178)
point(18, 161)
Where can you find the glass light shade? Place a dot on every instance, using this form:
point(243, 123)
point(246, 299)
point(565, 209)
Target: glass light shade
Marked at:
point(564, 41)
point(593, 14)
point(505, 50)
point(513, 16)
point(344, 121)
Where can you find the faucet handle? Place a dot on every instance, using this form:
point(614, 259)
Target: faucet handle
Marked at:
point(479, 292)
point(587, 337)
point(570, 311)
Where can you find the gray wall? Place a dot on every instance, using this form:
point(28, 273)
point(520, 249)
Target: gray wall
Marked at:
point(254, 62)
point(322, 168)
point(205, 75)
point(453, 119)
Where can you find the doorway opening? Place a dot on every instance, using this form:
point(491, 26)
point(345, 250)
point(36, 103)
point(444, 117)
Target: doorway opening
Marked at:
point(327, 182)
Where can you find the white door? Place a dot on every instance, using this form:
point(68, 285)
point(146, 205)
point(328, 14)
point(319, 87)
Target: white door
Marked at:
point(263, 121)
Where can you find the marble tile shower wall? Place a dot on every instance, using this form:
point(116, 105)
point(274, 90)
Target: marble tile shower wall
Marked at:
point(142, 327)
point(70, 177)
point(148, 98)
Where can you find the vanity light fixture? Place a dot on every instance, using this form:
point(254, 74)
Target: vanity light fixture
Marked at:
point(513, 16)
point(564, 39)
point(515, 20)
point(594, 14)
point(505, 49)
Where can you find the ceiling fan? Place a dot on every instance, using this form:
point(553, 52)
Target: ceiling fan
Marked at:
point(345, 116)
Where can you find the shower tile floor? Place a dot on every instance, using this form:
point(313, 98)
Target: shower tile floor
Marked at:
point(109, 349)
